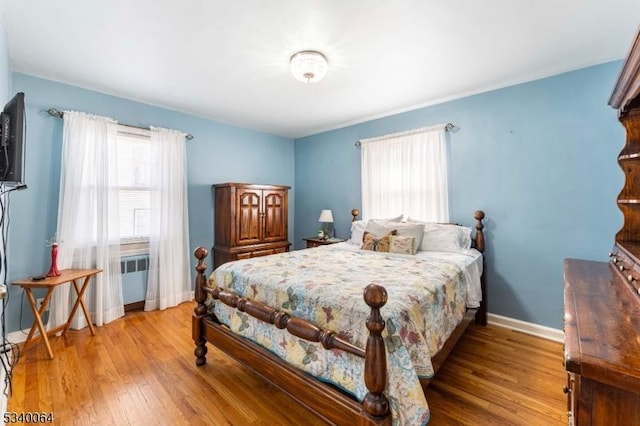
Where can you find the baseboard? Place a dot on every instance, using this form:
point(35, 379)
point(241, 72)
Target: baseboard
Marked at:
point(19, 336)
point(135, 306)
point(527, 327)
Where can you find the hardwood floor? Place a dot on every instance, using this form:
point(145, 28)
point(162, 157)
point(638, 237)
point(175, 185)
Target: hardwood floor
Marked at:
point(498, 376)
point(141, 370)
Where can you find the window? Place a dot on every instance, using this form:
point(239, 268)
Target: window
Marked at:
point(134, 180)
point(406, 173)
point(89, 215)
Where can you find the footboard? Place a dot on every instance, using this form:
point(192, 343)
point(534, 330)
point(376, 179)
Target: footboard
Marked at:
point(328, 402)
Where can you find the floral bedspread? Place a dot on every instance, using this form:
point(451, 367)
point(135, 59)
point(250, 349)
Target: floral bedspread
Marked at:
point(426, 300)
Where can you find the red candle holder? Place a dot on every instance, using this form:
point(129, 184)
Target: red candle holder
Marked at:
point(53, 270)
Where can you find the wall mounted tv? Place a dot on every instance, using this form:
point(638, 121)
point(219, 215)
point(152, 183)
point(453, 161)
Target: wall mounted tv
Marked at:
point(12, 132)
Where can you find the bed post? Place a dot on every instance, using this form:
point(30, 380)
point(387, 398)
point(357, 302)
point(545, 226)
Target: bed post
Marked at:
point(355, 213)
point(481, 315)
point(478, 216)
point(200, 310)
point(375, 361)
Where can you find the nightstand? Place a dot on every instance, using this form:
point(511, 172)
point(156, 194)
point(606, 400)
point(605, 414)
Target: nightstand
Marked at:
point(315, 241)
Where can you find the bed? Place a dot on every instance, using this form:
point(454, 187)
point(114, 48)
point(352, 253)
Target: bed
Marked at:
point(299, 320)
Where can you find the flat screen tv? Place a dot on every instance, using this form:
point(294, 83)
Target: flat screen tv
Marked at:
point(12, 132)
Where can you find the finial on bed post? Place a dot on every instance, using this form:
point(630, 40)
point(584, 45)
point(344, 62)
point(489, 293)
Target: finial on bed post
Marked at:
point(355, 213)
point(375, 361)
point(479, 215)
point(200, 310)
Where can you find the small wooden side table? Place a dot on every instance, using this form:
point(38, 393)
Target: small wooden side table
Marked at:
point(50, 283)
point(315, 241)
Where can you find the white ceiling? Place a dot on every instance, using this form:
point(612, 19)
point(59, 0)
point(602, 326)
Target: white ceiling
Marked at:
point(228, 60)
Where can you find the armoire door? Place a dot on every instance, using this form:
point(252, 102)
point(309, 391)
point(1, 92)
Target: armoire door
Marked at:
point(275, 211)
point(249, 213)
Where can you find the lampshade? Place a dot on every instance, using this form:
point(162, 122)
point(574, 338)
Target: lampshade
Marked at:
point(309, 66)
point(326, 216)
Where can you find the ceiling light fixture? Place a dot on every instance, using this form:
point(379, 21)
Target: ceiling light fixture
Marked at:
point(309, 66)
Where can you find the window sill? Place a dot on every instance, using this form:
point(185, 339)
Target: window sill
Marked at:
point(134, 248)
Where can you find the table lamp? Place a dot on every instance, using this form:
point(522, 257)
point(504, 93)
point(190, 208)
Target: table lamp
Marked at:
point(326, 217)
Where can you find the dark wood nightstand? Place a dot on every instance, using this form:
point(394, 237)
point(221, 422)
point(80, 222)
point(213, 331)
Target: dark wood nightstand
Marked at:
point(315, 241)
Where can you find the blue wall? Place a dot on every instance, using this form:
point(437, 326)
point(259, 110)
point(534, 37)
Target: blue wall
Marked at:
point(539, 158)
point(5, 67)
point(218, 153)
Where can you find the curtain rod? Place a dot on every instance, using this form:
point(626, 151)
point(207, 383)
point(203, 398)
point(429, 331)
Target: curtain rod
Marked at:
point(447, 127)
point(57, 113)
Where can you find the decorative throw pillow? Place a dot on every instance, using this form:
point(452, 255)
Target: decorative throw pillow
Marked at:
point(402, 244)
point(374, 243)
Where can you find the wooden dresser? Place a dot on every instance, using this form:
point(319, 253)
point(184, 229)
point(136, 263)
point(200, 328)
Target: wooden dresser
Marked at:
point(602, 345)
point(602, 304)
point(250, 220)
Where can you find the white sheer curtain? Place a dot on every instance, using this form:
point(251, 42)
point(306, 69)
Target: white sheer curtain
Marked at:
point(406, 173)
point(169, 268)
point(88, 218)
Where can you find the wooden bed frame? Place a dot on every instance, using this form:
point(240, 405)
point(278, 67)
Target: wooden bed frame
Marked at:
point(328, 402)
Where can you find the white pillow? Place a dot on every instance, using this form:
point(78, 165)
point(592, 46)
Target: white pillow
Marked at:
point(357, 231)
point(379, 228)
point(446, 237)
point(358, 228)
point(391, 219)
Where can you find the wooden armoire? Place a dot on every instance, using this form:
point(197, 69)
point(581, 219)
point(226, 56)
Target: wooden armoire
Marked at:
point(602, 304)
point(250, 220)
